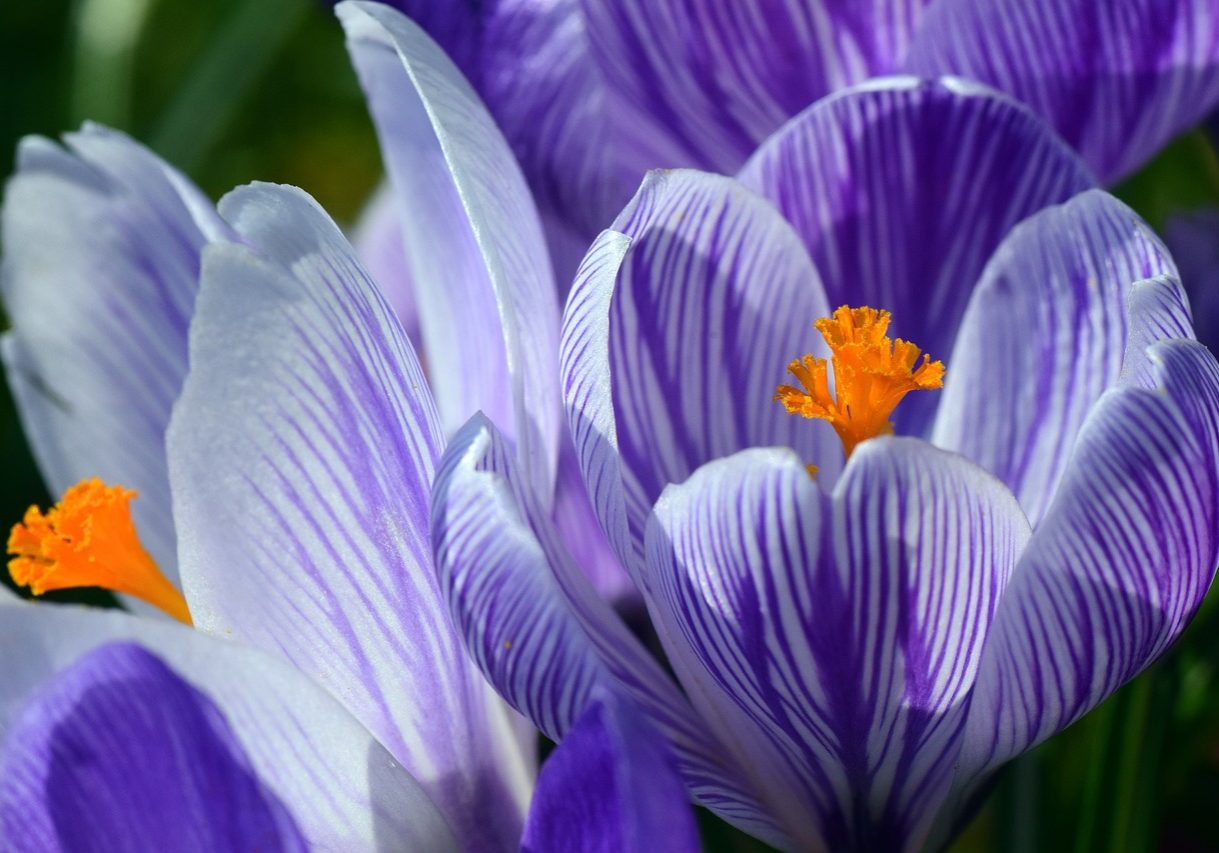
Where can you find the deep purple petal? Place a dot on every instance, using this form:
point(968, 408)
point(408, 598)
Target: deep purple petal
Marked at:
point(119, 752)
point(902, 189)
point(473, 241)
point(701, 82)
point(1116, 80)
point(611, 786)
point(101, 264)
point(1193, 239)
point(539, 631)
point(1116, 569)
point(343, 790)
point(302, 454)
point(835, 638)
point(1043, 337)
point(675, 336)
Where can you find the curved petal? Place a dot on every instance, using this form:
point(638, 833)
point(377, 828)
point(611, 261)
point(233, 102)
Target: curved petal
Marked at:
point(120, 748)
point(1117, 81)
point(610, 786)
point(343, 790)
point(902, 190)
point(1193, 239)
point(1043, 337)
point(473, 240)
point(377, 238)
point(836, 636)
point(538, 630)
point(702, 82)
point(673, 348)
point(301, 456)
point(1116, 569)
point(101, 264)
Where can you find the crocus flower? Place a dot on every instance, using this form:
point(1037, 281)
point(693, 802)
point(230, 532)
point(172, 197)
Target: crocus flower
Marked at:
point(209, 746)
point(286, 505)
point(970, 569)
point(592, 93)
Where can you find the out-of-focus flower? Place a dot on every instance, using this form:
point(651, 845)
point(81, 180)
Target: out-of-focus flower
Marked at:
point(304, 435)
point(1193, 238)
point(867, 646)
point(591, 93)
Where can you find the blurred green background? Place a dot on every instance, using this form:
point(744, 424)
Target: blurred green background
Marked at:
point(237, 90)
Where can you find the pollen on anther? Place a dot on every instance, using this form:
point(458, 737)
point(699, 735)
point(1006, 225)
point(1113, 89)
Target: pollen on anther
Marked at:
point(871, 373)
point(89, 539)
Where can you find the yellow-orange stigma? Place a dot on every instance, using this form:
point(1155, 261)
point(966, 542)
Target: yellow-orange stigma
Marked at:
point(89, 539)
point(872, 373)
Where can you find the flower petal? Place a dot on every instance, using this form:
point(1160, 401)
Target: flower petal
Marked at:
point(673, 348)
point(902, 189)
point(377, 238)
point(120, 748)
point(474, 244)
point(1043, 337)
point(836, 637)
point(341, 788)
point(101, 265)
point(1116, 81)
point(1116, 569)
point(301, 455)
point(538, 630)
point(610, 786)
point(702, 82)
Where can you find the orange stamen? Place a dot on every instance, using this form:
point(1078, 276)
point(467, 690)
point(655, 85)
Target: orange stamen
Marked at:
point(872, 373)
point(89, 539)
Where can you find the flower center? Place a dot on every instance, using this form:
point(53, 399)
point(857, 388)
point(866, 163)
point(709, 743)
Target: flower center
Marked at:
point(872, 373)
point(89, 539)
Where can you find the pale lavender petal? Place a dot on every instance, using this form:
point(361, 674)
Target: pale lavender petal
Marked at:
point(537, 628)
point(1194, 240)
point(902, 189)
point(302, 454)
point(702, 82)
point(344, 791)
point(1159, 311)
point(1116, 569)
point(836, 637)
point(672, 349)
point(117, 751)
point(1043, 337)
point(575, 519)
point(611, 786)
point(100, 270)
point(473, 241)
point(1116, 80)
point(377, 238)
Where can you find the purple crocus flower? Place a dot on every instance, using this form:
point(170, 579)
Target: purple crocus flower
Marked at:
point(592, 93)
point(860, 651)
point(284, 479)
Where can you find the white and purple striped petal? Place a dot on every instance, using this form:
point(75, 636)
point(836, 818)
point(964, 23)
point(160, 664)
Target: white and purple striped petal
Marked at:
point(119, 748)
point(302, 454)
point(679, 327)
point(377, 238)
point(835, 637)
point(101, 263)
point(341, 788)
point(702, 82)
point(1117, 567)
point(902, 189)
point(473, 241)
point(1043, 337)
point(539, 631)
point(610, 787)
point(1116, 80)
